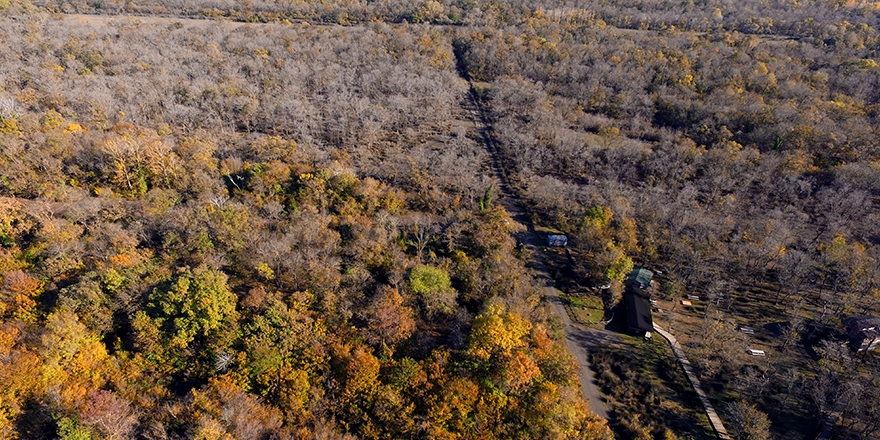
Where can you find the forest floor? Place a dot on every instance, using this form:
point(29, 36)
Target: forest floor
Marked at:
point(695, 382)
point(753, 307)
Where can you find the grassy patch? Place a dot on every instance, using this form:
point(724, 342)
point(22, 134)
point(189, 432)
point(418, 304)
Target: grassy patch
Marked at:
point(754, 306)
point(584, 309)
point(648, 392)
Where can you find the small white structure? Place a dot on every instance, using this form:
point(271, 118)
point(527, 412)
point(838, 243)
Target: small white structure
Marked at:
point(693, 297)
point(754, 352)
point(557, 240)
point(747, 330)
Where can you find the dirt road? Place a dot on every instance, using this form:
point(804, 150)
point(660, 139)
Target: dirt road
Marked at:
point(578, 339)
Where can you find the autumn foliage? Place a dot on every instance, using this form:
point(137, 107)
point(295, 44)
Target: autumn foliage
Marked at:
point(203, 269)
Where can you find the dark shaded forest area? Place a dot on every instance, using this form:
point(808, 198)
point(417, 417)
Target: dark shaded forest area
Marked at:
point(275, 220)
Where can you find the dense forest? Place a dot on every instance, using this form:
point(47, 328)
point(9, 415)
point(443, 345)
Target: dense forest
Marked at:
point(278, 220)
point(254, 246)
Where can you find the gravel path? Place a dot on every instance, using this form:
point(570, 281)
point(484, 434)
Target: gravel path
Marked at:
point(578, 341)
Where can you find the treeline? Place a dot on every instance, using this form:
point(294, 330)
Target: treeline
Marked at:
point(834, 24)
point(212, 230)
point(608, 125)
point(831, 23)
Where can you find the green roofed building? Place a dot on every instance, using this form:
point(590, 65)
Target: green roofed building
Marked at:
point(639, 277)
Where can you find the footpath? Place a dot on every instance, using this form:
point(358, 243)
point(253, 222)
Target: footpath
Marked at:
point(577, 341)
point(695, 382)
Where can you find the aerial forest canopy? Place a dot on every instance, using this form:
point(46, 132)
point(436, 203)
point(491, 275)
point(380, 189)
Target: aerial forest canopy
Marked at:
point(261, 220)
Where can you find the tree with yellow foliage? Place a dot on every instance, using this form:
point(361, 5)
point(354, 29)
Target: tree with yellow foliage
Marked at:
point(75, 362)
point(496, 334)
point(18, 292)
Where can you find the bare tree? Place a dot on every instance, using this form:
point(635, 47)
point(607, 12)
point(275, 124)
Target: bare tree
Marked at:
point(422, 229)
point(747, 422)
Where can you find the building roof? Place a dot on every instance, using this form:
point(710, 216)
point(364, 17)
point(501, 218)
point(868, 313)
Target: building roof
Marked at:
point(863, 322)
point(640, 276)
point(638, 312)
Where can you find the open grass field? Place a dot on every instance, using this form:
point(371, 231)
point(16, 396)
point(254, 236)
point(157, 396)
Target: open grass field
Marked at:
point(786, 354)
point(584, 310)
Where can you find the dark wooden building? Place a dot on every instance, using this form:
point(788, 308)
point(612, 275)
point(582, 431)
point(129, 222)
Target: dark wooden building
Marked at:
point(638, 314)
point(863, 332)
point(638, 305)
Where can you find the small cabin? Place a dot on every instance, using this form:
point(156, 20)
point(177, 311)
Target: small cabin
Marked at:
point(637, 302)
point(754, 352)
point(863, 332)
point(638, 314)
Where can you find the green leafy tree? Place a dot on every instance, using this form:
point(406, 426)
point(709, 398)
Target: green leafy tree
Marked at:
point(69, 428)
point(197, 304)
point(285, 344)
point(614, 262)
point(486, 201)
point(595, 228)
point(434, 287)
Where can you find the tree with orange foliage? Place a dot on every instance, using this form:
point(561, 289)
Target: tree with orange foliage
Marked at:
point(18, 381)
point(223, 410)
point(497, 333)
point(389, 320)
point(18, 293)
point(451, 410)
point(359, 388)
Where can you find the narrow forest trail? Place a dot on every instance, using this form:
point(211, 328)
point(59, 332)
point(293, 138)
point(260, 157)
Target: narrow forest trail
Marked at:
point(579, 340)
